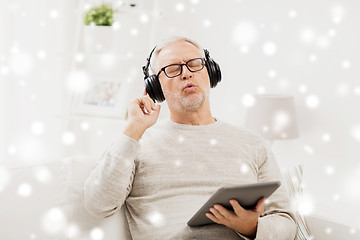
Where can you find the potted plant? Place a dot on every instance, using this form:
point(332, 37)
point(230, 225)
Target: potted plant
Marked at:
point(98, 30)
point(101, 15)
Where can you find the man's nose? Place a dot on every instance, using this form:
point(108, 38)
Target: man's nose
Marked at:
point(186, 74)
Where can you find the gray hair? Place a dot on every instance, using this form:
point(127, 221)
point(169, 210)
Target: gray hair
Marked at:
point(166, 42)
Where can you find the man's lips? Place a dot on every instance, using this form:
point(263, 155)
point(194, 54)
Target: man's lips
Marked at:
point(189, 86)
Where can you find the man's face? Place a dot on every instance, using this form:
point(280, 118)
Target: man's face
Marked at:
point(176, 93)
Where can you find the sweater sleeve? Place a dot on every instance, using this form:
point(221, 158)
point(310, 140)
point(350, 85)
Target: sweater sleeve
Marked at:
point(277, 222)
point(110, 182)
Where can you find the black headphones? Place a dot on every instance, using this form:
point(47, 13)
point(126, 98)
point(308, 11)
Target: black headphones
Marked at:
point(152, 83)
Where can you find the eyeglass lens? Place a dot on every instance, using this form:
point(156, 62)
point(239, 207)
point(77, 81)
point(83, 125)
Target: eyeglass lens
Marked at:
point(193, 65)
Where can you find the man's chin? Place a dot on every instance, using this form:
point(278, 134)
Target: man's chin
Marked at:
point(193, 102)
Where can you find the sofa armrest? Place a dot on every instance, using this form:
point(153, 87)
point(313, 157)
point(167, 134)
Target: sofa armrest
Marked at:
point(32, 204)
point(114, 227)
point(322, 229)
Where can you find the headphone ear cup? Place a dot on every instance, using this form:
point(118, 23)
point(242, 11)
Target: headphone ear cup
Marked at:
point(153, 88)
point(214, 72)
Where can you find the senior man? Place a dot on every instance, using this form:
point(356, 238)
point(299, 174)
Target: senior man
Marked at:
point(163, 171)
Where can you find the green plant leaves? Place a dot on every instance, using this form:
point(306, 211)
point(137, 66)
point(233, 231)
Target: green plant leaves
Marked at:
point(101, 15)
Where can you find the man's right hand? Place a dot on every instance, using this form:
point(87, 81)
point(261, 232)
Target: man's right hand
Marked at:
point(142, 114)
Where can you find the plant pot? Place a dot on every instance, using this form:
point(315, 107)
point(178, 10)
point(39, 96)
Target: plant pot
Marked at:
point(98, 39)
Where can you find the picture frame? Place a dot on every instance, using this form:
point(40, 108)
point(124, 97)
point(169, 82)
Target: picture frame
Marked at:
point(104, 98)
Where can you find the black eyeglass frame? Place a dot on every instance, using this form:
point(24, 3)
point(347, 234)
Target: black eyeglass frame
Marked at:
point(181, 67)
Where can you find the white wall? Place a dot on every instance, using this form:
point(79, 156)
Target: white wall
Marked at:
point(316, 55)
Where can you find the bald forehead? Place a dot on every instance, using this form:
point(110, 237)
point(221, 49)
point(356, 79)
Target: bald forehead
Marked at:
point(178, 44)
point(178, 52)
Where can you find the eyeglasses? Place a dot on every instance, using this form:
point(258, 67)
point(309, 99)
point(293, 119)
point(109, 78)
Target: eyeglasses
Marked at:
point(174, 70)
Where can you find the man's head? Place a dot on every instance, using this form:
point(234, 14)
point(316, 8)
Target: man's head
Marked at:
point(182, 73)
point(190, 89)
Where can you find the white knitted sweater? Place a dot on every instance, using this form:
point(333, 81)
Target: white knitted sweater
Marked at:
point(174, 169)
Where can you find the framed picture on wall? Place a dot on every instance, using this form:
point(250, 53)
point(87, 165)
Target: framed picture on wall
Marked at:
point(104, 98)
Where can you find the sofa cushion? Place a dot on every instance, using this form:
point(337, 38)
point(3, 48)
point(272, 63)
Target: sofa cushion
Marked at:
point(325, 229)
point(292, 179)
point(82, 225)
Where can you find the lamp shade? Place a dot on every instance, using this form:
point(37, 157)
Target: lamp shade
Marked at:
point(272, 116)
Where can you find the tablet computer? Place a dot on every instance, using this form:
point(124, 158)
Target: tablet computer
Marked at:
point(247, 196)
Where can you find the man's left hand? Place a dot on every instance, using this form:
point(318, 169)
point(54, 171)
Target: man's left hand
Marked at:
point(241, 220)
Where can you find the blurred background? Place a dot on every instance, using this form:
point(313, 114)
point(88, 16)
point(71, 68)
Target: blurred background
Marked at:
point(65, 85)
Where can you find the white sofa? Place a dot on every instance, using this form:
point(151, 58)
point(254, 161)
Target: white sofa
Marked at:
point(43, 202)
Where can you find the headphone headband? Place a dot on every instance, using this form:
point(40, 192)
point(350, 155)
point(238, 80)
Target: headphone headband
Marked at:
point(207, 55)
point(146, 68)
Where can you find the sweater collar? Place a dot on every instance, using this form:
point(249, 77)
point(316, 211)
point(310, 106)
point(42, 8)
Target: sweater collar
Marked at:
point(189, 126)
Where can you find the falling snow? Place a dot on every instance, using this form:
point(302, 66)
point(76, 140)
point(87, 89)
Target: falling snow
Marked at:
point(43, 175)
point(68, 138)
point(269, 48)
point(310, 55)
point(97, 234)
point(156, 218)
point(312, 101)
point(24, 190)
point(54, 220)
point(85, 126)
point(248, 100)
point(37, 128)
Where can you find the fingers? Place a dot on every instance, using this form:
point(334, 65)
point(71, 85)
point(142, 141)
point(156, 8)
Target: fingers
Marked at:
point(260, 206)
point(142, 112)
point(212, 217)
point(221, 214)
point(238, 209)
point(147, 103)
point(156, 111)
point(215, 215)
